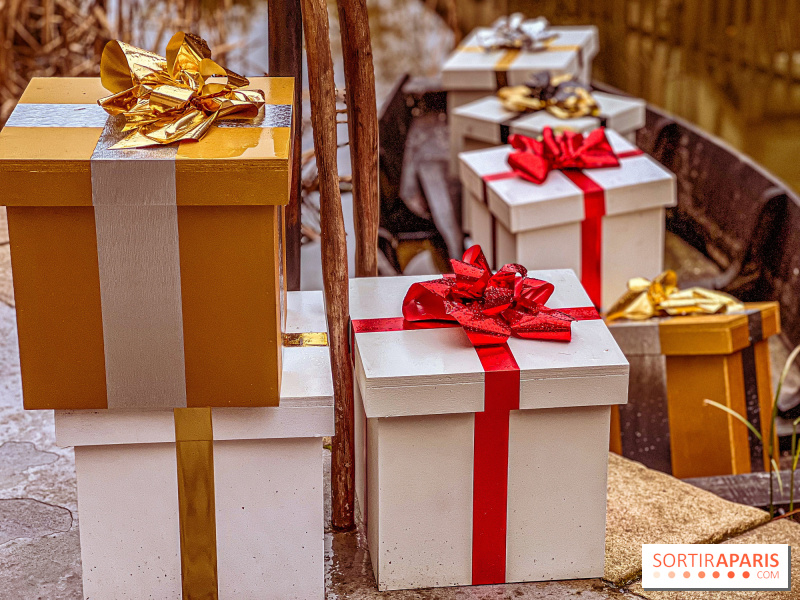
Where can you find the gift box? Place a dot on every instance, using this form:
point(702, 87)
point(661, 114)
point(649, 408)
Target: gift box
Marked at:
point(486, 123)
point(472, 71)
point(148, 277)
point(210, 502)
point(606, 224)
point(462, 451)
point(676, 364)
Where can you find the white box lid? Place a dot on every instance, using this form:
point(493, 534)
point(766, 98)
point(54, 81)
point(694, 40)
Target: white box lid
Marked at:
point(637, 184)
point(306, 408)
point(437, 371)
point(482, 118)
point(471, 68)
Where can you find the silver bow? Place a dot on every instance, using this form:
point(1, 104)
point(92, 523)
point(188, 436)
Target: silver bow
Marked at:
point(515, 32)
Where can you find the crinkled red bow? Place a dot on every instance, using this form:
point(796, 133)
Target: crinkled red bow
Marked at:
point(490, 308)
point(569, 150)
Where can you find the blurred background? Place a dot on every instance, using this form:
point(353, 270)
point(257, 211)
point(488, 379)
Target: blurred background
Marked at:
point(730, 66)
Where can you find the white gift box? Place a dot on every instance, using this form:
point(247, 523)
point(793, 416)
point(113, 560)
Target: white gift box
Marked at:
point(470, 71)
point(422, 399)
point(267, 488)
point(485, 123)
point(542, 226)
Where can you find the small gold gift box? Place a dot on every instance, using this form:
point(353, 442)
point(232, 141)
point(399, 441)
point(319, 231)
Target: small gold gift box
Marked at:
point(149, 277)
point(676, 364)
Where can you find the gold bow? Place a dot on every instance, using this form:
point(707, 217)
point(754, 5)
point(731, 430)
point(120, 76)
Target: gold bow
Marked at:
point(562, 97)
point(166, 100)
point(661, 297)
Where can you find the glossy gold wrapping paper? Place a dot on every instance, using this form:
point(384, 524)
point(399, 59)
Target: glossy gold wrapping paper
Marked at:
point(646, 299)
point(166, 100)
point(568, 101)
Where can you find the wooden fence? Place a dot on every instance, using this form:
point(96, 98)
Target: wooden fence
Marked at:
point(748, 49)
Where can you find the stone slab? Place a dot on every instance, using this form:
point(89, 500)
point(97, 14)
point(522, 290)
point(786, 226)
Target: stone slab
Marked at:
point(783, 531)
point(646, 506)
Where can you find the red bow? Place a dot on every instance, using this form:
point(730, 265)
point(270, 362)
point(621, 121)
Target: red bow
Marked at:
point(569, 150)
point(489, 307)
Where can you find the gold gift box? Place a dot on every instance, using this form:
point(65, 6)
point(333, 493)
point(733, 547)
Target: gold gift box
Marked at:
point(125, 300)
point(677, 363)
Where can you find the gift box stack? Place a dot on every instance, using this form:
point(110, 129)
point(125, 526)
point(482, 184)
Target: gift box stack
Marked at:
point(152, 317)
point(552, 178)
point(522, 76)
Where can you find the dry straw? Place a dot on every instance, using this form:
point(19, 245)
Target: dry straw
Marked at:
point(64, 38)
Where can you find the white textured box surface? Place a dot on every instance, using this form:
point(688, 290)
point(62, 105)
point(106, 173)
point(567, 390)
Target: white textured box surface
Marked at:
point(268, 487)
point(436, 371)
point(414, 443)
point(472, 68)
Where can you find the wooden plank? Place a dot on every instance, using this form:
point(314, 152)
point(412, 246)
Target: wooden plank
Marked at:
point(285, 60)
point(751, 489)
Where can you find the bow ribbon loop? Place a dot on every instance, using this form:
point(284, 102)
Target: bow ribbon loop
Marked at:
point(562, 96)
point(165, 100)
point(660, 297)
point(490, 307)
point(534, 159)
point(515, 32)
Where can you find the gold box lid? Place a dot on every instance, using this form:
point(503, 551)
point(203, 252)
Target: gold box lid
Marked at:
point(49, 141)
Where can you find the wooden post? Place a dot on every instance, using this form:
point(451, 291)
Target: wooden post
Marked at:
point(362, 125)
point(334, 254)
point(286, 60)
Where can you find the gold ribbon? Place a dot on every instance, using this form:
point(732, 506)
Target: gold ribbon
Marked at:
point(179, 97)
point(305, 340)
point(194, 448)
point(510, 55)
point(568, 99)
point(646, 299)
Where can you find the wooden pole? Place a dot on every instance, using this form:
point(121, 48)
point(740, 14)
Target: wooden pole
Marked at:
point(334, 254)
point(286, 60)
point(362, 125)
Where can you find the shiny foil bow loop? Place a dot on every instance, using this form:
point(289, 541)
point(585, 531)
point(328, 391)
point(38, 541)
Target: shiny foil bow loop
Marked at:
point(165, 100)
point(534, 159)
point(563, 96)
point(490, 307)
point(515, 32)
point(661, 297)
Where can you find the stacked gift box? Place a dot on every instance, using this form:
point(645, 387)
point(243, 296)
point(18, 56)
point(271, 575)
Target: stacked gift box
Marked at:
point(510, 51)
point(465, 430)
point(153, 318)
point(712, 347)
point(606, 223)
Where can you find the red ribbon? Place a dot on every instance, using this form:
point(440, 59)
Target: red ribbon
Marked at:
point(570, 153)
point(534, 159)
point(445, 303)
